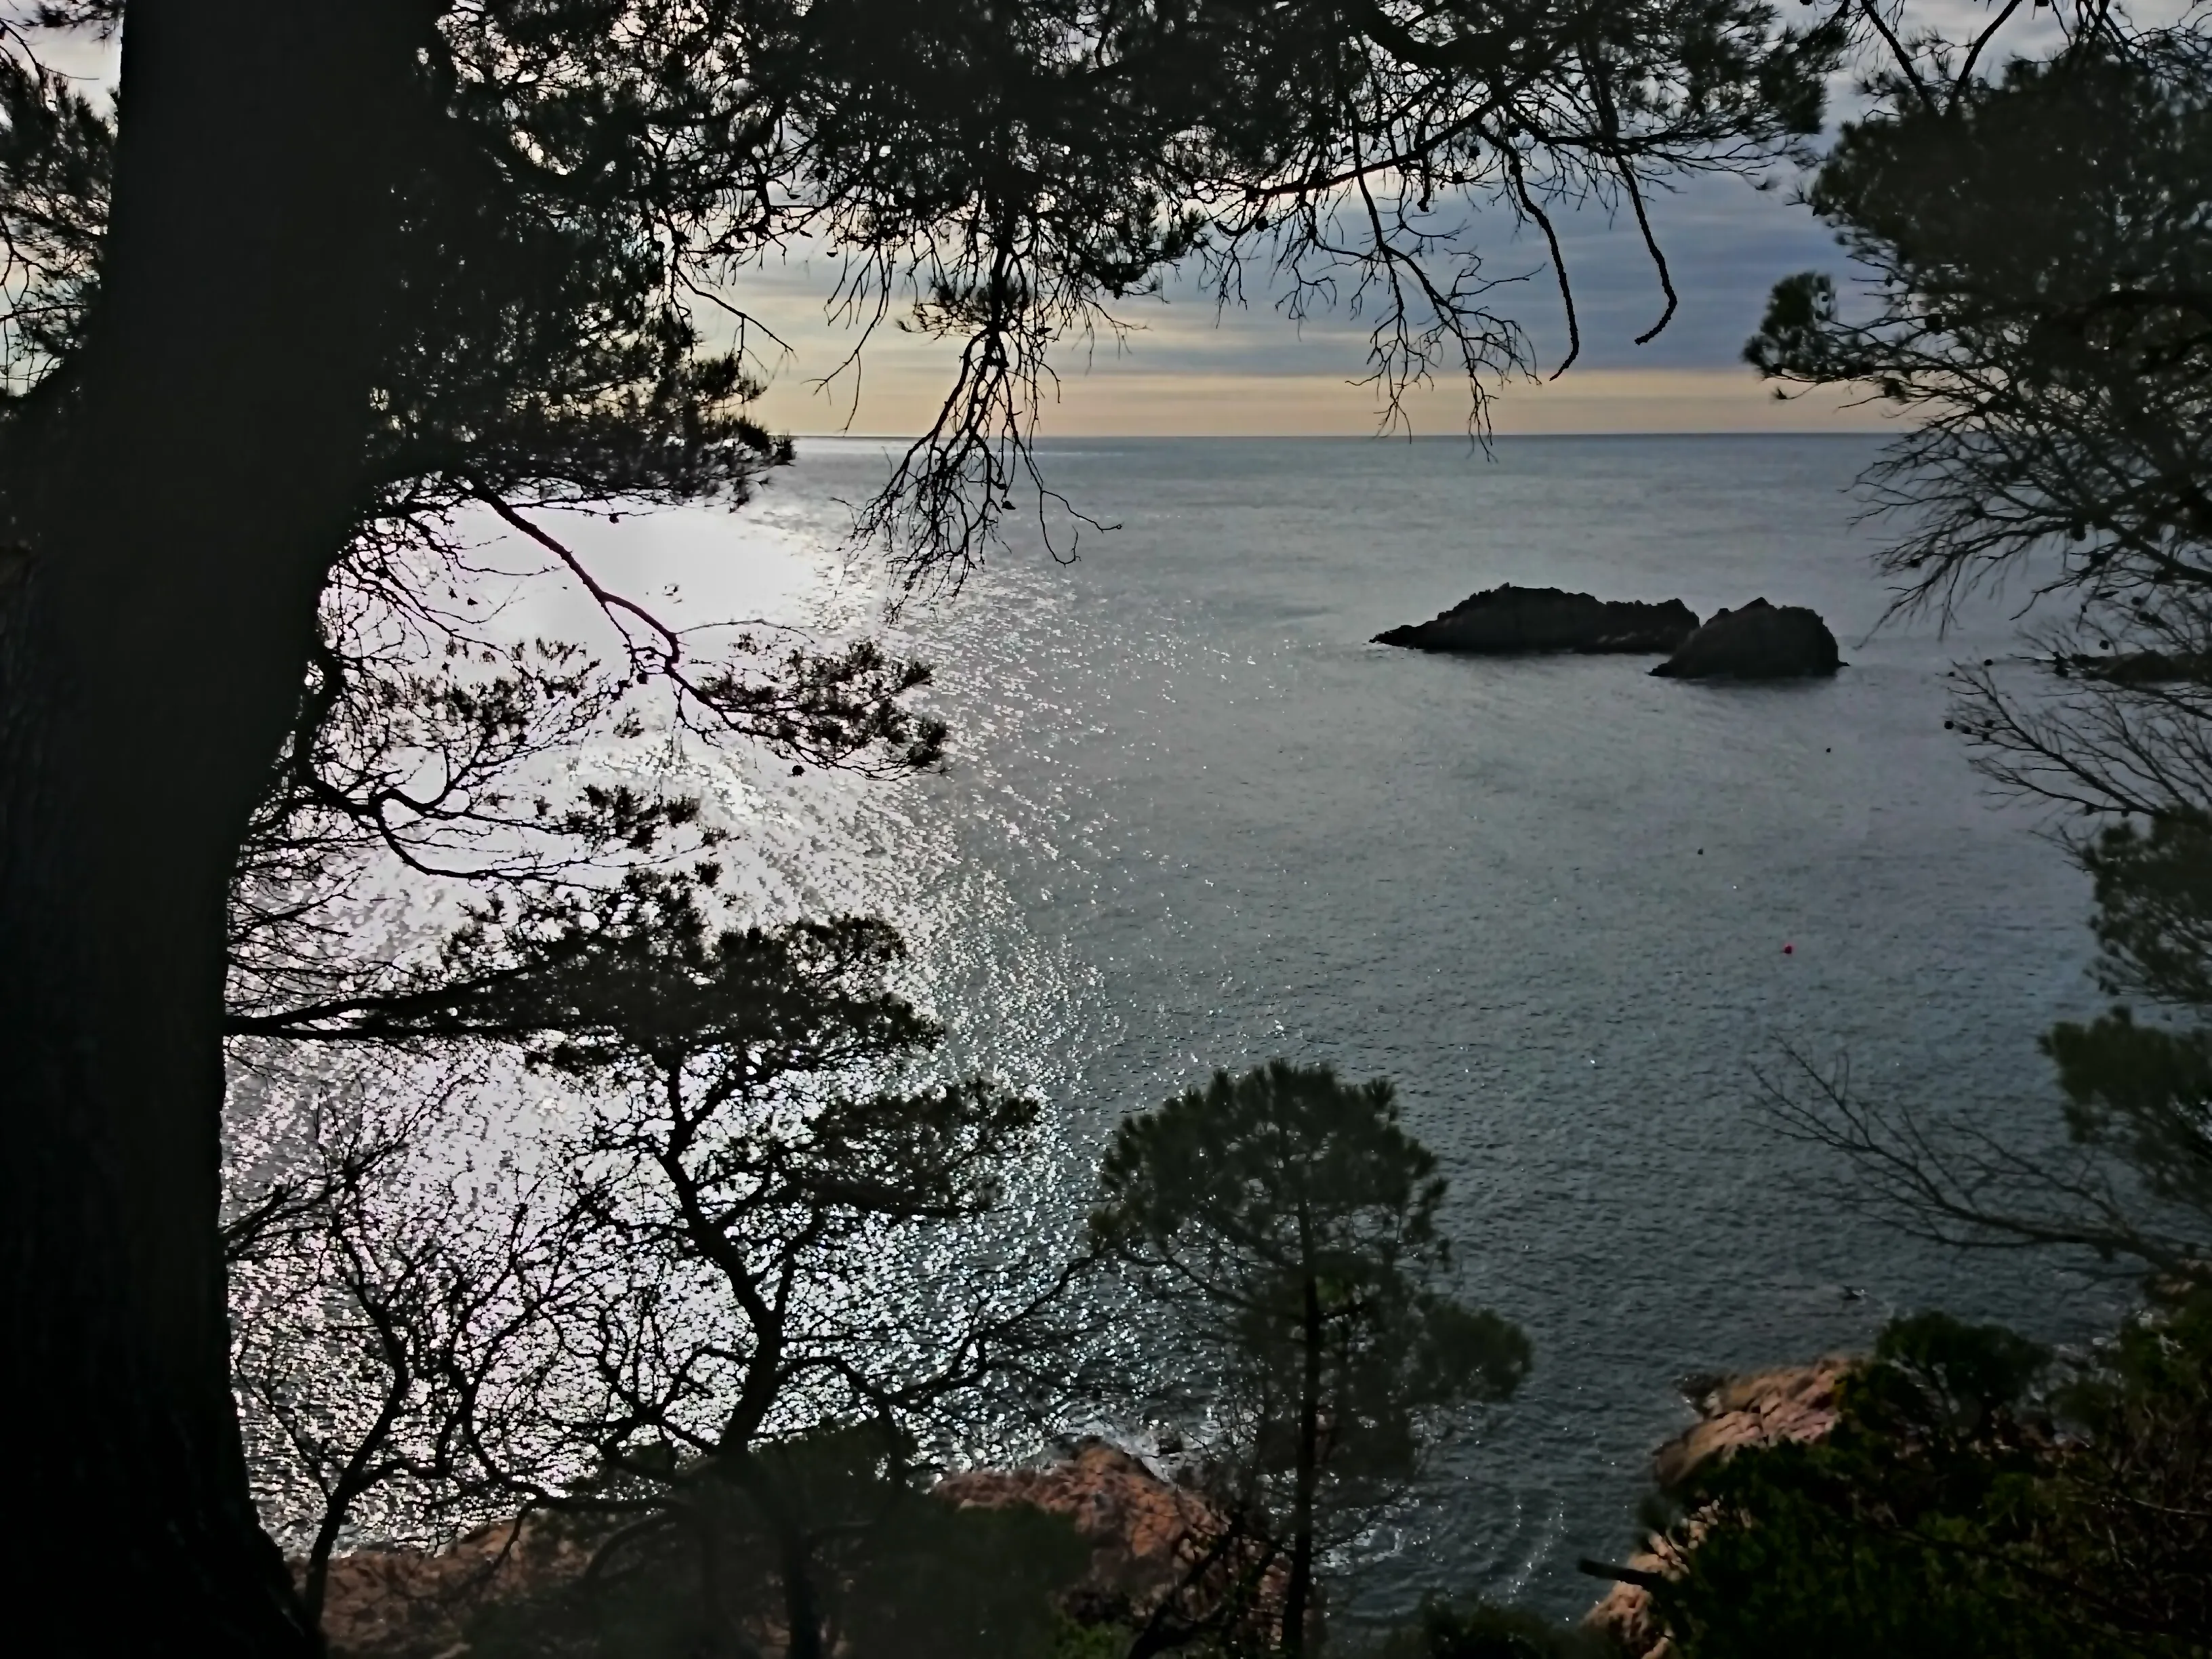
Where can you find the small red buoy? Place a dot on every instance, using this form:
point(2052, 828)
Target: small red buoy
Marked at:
point(1789, 950)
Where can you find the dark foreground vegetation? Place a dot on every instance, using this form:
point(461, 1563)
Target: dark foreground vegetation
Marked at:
point(702, 1324)
point(2037, 238)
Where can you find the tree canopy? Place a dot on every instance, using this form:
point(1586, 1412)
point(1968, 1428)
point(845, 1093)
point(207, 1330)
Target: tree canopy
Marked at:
point(1290, 1223)
point(2033, 240)
point(2033, 248)
point(322, 282)
point(1974, 1498)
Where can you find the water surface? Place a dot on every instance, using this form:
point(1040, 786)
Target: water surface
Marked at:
point(1192, 819)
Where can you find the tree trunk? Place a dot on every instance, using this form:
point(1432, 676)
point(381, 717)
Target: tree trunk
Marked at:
point(794, 1556)
point(1298, 1595)
point(172, 510)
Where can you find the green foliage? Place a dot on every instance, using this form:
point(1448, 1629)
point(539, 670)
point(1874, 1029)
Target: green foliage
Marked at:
point(2143, 1091)
point(2153, 920)
point(1949, 1513)
point(1797, 332)
point(2040, 237)
point(639, 974)
point(56, 157)
point(2040, 242)
point(899, 1572)
point(1936, 1377)
point(964, 1586)
point(1287, 1224)
point(1481, 1630)
point(1080, 1641)
point(1234, 1202)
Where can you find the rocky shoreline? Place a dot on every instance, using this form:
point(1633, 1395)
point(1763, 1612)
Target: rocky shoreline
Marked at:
point(1753, 642)
point(1149, 1538)
point(1760, 1408)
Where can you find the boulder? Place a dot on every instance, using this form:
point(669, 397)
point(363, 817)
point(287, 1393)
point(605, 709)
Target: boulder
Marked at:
point(1757, 642)
point(1151, 1540)
point(1764, 1408)
point(1508, 620)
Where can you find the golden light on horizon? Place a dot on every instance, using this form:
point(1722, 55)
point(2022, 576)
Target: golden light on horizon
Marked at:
point(901, 393)
point(1189, 370)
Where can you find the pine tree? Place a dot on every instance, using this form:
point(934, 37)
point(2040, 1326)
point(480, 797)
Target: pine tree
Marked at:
point(1288, 1226)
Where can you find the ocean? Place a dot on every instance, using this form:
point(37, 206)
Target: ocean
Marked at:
point(1192, 819)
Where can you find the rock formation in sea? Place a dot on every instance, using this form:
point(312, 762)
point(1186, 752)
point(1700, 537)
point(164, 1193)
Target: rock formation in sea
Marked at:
point(1763, 1408)
point(1756, 641)
point(1508, 619)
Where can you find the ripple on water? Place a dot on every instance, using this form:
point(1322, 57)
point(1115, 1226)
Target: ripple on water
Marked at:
point(1191, 818)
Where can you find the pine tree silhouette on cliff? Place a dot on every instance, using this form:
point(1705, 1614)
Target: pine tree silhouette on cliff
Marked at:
point(365, 262)
point(1287, 1225)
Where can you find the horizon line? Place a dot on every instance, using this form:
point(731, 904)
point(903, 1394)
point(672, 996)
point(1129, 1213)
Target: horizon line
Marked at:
point(1374, 437)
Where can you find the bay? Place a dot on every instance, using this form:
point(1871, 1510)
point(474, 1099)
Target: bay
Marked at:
point(1192, 819)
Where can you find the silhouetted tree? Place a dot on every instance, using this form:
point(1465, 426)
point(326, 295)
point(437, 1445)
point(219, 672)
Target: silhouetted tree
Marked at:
point(2033, 240)
point(1966, 1503)
point(342, 271)
point(1288, 1225)
point(724, 1256)
point(169, 522)
point(2036, 235)
point(904, 1574)
point(2035, 232)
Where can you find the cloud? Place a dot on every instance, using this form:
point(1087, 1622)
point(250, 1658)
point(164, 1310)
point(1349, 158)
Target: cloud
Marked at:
point(1185, 364)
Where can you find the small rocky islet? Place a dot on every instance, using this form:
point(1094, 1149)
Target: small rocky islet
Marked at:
point(1753, 642)
point(1508, 621)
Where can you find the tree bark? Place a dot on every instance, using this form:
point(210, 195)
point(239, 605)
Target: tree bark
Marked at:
point(794, 1556)
point(1299, 1594)
point(172, 505)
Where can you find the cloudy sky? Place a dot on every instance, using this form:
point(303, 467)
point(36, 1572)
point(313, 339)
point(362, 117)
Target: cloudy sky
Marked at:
point(1188, 367)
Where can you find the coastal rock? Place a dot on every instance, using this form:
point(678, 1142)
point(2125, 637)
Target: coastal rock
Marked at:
point(1149, 1538)
point(1762, 1408)
point(1507, 620)
point(406, 1604)
point(1756, 641)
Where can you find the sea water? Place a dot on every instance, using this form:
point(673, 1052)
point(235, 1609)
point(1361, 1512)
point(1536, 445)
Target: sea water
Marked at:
point(1191, 818)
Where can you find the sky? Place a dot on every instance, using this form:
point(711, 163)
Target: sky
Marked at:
point(1186, 366)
